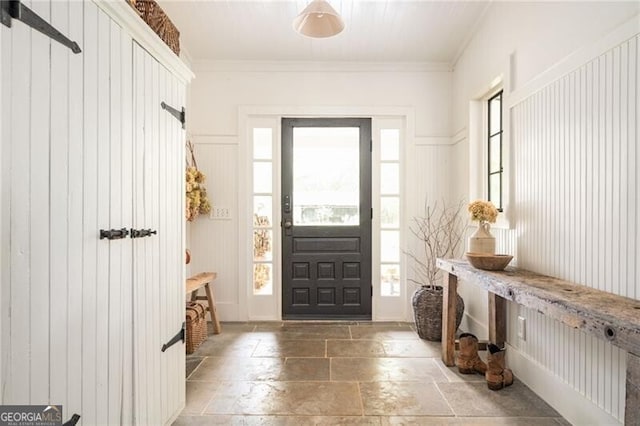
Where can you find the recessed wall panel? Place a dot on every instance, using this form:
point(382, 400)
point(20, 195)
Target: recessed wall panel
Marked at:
point(326, 245)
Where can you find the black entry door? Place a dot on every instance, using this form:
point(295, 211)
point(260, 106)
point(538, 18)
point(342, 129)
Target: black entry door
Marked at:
point(326, 218)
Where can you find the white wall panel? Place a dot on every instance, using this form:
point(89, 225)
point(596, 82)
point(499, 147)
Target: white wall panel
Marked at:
point(4, 228)
point(576, 197)
point(39, 208)
point(17, 296)
point(125, 133)
point(75, 211)
point(89, 210)
point(103, 170)
point(214, 243)
point(429, 182)
point(59, 235)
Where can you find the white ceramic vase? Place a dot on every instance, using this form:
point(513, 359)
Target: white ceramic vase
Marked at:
point(482, 241)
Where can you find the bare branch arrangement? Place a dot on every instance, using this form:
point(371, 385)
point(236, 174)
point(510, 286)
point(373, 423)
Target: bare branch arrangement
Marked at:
point(440, 233)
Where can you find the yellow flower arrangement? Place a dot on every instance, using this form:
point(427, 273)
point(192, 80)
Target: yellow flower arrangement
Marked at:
point(196, 201)
point(483, 211)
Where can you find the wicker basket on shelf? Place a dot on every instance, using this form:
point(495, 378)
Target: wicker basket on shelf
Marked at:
point(159, 22)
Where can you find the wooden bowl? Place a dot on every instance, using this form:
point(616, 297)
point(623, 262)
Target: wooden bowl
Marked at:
point(489, 262)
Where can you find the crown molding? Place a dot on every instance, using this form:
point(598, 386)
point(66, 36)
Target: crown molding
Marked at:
point(311, 66)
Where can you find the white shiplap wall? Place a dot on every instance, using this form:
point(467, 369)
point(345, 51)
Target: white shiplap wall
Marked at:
point(576, 193)
point(214, 243)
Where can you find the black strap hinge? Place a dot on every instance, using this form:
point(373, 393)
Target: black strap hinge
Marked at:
point(73, 421)
point(180, 115)
point(175, 339)
point(16, 10)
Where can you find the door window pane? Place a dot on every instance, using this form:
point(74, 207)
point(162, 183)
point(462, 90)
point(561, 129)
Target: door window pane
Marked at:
point(390, 280)
point(326, 176)
point(262, 177)
point(495, 192)
point(262, 211)
point(390, 178)
point(389, 144)
point(494, 153)
point(390, 212)
point(495, 114)
point(262, 278)
point(262, 244)
point(262, 139)
point(390, 246)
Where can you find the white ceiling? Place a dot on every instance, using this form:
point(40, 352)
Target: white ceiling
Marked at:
point(375, 30)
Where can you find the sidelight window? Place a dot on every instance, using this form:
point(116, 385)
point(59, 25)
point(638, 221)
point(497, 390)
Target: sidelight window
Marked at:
point(263, 211)
point(390, 212)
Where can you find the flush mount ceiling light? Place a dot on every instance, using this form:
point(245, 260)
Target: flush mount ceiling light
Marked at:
point(318, 20)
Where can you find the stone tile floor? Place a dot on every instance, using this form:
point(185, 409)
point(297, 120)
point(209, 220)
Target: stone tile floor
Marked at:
point(342, 373)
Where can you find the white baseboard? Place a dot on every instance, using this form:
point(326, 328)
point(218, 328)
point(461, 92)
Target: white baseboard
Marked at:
point(574, 407)
point(228, 312)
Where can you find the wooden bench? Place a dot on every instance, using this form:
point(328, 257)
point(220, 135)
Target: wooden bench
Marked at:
point(193, 284)
point(615, 319)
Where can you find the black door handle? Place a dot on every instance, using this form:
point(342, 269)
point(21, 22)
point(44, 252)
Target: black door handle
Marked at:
point(139, 233)
point(114, 234)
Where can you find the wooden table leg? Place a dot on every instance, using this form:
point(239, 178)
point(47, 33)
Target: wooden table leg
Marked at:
point(632, 402)
point(212, 308)
point(450, 288)
point(497, 320)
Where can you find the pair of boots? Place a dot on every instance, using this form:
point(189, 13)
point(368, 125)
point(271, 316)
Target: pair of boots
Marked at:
point(494, 371)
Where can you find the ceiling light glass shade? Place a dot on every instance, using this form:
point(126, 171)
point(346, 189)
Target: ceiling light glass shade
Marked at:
point(318, 20)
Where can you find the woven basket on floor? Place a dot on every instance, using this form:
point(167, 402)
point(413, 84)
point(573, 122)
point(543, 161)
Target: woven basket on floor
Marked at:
point(159, 22)
point(427, 310)
point(196, 326)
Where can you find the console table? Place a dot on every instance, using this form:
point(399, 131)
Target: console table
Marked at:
point(615, 319)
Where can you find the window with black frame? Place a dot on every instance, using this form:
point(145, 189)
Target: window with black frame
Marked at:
point(495, 170)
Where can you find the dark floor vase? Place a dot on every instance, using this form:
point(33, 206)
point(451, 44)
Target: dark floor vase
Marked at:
point(427, 310)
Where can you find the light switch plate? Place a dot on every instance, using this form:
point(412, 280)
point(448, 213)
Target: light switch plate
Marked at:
point(220, 213)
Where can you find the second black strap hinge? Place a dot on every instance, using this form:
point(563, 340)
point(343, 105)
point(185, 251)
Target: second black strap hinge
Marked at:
point(181, 335)
point(180, 115)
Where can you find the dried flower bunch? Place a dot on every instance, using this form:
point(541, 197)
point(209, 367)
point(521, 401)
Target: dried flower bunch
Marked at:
point(439, 232)
point(261, 275)
point(196, 201)
point(261, 237)
point(483, 211)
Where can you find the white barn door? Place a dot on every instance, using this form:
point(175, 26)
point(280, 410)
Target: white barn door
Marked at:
point(158, 288)
point(86, 146)
point(66, 140)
